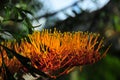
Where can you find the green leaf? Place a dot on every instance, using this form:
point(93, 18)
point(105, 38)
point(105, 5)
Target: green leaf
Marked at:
point(30, 27)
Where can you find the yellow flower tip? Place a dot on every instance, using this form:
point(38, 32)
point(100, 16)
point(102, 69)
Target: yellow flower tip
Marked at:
point(52, 51)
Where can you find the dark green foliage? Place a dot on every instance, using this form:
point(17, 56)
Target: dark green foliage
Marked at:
point(14, 19)
point(3, 3)
point(106, 69)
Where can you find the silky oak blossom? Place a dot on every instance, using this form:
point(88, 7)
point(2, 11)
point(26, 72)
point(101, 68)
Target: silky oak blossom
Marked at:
point(55, 53)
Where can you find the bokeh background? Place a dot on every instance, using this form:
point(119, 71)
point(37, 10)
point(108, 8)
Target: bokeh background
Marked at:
point(19, 18)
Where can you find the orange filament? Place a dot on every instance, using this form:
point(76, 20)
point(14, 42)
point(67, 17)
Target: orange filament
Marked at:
point(55, 53)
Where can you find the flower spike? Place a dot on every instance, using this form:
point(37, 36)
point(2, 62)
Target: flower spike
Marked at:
point(55, 53)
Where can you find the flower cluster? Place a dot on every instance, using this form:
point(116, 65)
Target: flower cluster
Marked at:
point(54, 52)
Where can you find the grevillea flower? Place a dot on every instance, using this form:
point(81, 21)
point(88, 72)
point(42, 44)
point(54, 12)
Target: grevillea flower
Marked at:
point(55, 53)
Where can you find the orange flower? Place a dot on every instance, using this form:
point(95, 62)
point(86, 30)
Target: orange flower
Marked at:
point(55, 53)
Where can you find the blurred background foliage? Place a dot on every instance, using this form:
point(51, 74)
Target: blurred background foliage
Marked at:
point(14, 20)
point(16, 23)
